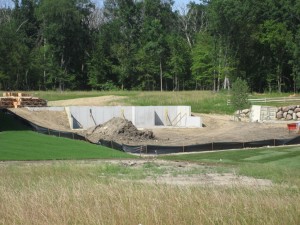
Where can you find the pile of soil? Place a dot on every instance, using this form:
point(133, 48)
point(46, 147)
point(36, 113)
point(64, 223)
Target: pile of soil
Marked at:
point(120, 130)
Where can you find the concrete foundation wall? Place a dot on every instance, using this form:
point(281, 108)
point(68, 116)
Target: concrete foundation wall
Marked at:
point(87, 117)
point(193, 121)
point(141, 116)
point(84, 117)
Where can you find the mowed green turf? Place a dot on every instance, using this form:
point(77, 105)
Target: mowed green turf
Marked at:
point(28, 145)
point(280, 164)
point(17, 142)
point(288, 156)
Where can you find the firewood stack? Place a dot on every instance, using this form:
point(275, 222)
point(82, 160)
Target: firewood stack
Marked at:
point(19, 100)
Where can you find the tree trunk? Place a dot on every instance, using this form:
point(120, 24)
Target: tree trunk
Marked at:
point(161, 76)
point(26, 80)
point(176, 83)
point(279, 78)
point(44, 63)
point(214, 80)
point(226, 83)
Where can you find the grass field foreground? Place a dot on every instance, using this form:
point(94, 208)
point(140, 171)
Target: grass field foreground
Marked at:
point(93, 193)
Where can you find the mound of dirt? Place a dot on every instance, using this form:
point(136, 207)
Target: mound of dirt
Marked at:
point(118, 129)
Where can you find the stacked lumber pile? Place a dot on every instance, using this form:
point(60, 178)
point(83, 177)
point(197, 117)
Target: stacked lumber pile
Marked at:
point(19, 100)
point(7, 102)
point(15, 94)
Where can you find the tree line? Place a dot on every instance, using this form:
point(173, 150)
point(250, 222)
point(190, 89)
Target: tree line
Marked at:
point(149, 45)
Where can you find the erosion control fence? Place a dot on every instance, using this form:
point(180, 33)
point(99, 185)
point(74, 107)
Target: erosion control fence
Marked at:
point(158, 149)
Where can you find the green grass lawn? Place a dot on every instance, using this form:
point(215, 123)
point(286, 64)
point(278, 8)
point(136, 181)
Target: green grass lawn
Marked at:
point(17, 142)
point(280, 164)
point(28, 145)
point(264, 155)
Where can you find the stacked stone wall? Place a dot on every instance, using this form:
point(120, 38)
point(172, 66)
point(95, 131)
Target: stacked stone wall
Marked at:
point(288, 113)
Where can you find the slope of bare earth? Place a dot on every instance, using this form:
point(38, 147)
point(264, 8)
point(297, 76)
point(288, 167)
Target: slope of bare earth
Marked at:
point(218, 128)
point(56, 120)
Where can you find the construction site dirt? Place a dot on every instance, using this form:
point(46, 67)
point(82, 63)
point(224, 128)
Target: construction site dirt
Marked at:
point(217, 128)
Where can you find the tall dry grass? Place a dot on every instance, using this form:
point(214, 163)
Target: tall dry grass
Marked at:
point(82, 194)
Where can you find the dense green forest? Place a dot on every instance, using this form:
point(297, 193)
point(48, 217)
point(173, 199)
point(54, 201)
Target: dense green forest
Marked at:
point(147, 45)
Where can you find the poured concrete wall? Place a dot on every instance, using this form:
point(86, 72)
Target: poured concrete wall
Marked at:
point(141, 116)
point(262, 113)
point(85, 116)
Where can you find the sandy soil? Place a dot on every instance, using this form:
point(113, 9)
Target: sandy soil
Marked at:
point(218, 128)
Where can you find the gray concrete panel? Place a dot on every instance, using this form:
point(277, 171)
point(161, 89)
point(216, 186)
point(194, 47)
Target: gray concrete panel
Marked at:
point(141, 116)
point(144, 116)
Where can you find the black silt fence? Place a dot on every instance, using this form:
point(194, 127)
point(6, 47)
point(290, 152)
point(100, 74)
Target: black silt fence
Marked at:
point(227, 145)
point(110, 144)
point(257, 144)
point(155, 149)
point(293, 141)
point(198, 148)
point(137, 149)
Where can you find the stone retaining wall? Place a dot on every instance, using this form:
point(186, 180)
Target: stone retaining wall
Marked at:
point(288, 113)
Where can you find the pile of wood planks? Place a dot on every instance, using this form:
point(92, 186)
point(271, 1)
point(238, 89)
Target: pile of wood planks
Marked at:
point(19, 100)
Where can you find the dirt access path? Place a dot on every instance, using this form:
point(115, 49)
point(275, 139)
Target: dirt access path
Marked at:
point(218, 128)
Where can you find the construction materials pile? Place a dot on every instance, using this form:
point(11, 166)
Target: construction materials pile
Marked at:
point(19, 100)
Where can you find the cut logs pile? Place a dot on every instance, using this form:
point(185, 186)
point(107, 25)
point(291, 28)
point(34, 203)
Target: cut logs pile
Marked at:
point(288, 113)
point(19, 100)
